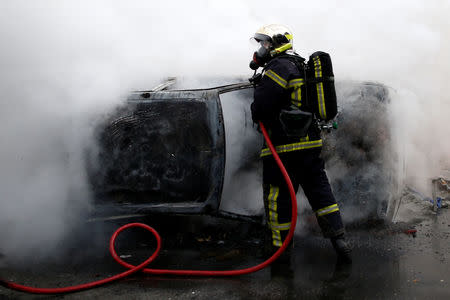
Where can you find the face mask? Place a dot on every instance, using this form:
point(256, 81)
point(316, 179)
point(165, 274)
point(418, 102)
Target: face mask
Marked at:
point(261, 56)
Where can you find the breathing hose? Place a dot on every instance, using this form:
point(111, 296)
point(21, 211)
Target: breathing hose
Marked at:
point(141, 267)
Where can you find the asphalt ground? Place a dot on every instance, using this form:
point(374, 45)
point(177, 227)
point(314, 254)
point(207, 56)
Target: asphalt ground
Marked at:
point(388, 262)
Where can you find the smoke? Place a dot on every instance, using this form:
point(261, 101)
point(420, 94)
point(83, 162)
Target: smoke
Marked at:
point(65, 64)
point(55, 83)
point(421, 107)
point(243, 174)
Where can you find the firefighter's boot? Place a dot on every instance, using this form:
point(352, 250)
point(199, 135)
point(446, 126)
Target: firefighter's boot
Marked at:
point(342, 248)
point(332, 228)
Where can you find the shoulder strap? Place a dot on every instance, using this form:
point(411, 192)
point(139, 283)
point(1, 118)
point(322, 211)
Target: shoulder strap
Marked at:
point(302, 67)
point(296, 59)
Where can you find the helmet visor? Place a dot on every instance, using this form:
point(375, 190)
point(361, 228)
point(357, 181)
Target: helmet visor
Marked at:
point(262, 37)
point(255, 40)
point(260, 44)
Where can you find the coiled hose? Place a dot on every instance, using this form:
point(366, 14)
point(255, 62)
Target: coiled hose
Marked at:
point(142, 267)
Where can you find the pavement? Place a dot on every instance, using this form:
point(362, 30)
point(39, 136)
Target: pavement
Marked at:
point(389, 262)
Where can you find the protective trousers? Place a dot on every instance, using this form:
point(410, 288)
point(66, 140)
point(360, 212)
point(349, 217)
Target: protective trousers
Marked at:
point(306, 169)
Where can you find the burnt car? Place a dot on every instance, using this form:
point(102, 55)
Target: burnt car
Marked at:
point(196, 151)
point(362, 156)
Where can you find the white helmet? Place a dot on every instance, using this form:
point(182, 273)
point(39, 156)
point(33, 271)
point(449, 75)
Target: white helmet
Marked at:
point(278, 35)
point(274, 39)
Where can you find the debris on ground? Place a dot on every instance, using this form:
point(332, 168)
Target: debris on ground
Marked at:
point(411, 231)
point(440, 193)
point(444, 184)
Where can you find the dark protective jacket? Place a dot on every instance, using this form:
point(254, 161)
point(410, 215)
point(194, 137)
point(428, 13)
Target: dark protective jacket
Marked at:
point(282, 85)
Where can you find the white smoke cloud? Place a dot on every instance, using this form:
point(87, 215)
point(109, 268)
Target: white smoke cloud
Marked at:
point(64, 64)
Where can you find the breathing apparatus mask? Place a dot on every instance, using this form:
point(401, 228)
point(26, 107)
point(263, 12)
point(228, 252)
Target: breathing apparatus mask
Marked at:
point(261, 56)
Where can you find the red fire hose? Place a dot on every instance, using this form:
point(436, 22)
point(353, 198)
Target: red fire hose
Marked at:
point(141, 267)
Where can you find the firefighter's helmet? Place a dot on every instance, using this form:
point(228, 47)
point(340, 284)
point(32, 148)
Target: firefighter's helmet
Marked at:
point(273, 39)
point(279, 36)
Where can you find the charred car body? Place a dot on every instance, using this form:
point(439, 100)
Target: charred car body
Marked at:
point(186, 151)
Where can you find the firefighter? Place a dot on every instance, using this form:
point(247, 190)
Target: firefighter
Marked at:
point(281, 87)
